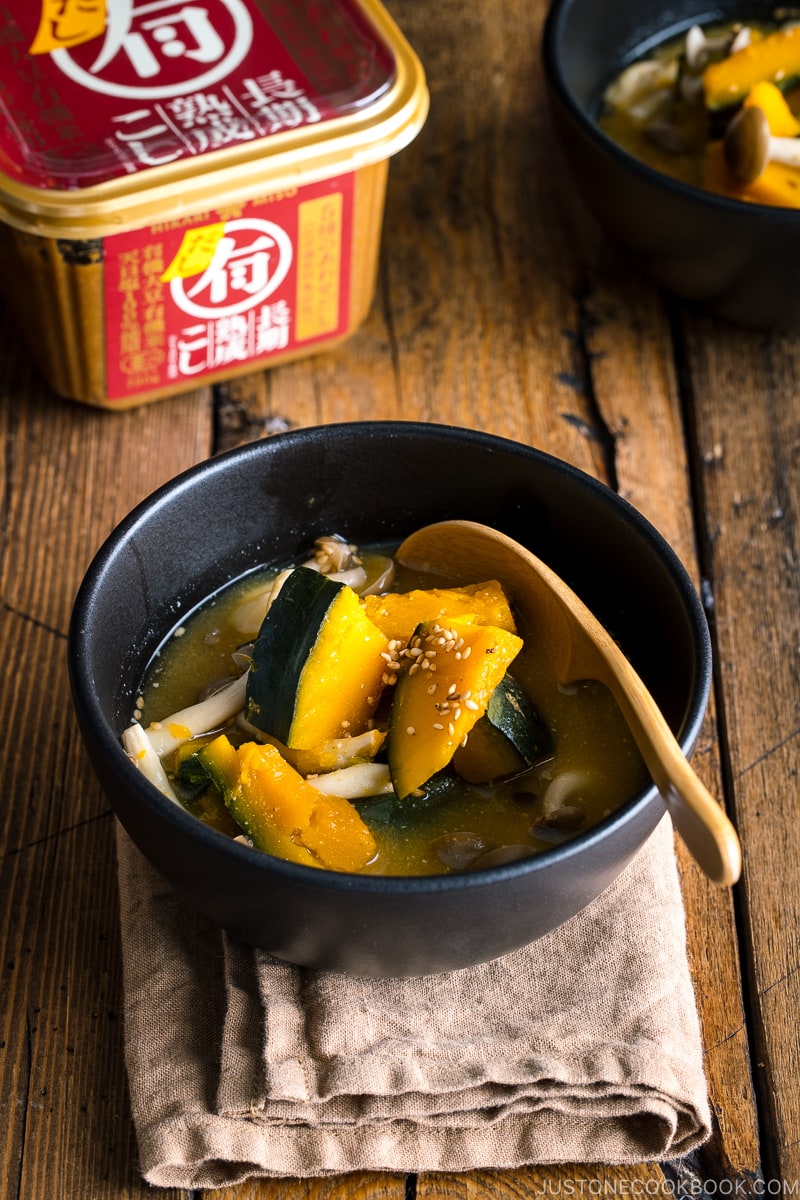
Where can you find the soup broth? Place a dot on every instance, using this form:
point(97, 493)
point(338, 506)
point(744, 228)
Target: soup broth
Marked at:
point(590, 765)
point(679, 109)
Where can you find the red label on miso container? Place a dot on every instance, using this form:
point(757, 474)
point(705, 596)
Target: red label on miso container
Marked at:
point(213, 293)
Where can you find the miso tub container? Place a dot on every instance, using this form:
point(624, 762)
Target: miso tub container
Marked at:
point(190, 191)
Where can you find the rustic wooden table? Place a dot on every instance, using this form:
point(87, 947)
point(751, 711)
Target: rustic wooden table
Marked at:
point(500, 307)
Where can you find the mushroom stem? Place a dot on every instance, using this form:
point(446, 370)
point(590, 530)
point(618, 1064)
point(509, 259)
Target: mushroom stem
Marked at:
point(749, 146)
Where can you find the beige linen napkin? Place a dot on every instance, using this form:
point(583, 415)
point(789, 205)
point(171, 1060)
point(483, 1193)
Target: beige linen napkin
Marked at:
point(584, 1046)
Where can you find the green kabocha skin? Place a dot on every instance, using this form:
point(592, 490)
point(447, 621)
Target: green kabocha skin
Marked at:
point(317, 664)
point(509, 737)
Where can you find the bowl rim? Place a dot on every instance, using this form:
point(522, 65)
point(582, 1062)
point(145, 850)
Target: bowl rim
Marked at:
point(551, 59)
point(107, 746)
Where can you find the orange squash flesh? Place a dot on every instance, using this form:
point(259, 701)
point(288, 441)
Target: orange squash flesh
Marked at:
point(341, 684)
point(434, 708)
point(772, 102)
point(397, 614)
point(284, 814)
point(774, 58)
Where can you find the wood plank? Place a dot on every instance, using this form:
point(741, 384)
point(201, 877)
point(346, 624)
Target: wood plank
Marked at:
point(358, 1186)
point(578, 1179)
point(70, 474)
point(637, 395)
point(750, 451)
point(73, 473)
point(64, 1116)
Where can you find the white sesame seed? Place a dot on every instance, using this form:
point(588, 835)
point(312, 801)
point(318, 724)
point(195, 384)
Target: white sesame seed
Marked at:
point(411, 730)
point(436, 725)
point(432, 688)
point(451, 729)
point(471, 705)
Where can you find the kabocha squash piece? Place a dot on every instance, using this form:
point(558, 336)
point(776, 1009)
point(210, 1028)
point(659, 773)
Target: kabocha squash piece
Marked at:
point(397, 615)
point(197, 794)
point(221, 760)
point(772, 102)
point(317, 664)
point(509, 737)
point(435, 706)
point(775, 58)
point(777, 185)
point(282, 813)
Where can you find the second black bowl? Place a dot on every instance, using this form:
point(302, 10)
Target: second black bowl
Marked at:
point(740, 260)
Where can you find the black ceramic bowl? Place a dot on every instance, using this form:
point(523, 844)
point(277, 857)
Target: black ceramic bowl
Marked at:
point(740, 260)
point(265, 503)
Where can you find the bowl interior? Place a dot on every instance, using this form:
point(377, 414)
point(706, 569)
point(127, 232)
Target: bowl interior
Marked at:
point(586, 44)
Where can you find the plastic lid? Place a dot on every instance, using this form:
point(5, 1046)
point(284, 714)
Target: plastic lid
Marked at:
point(107, 106)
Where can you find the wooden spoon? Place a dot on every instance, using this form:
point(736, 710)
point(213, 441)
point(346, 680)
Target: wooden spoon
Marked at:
point(582, 649)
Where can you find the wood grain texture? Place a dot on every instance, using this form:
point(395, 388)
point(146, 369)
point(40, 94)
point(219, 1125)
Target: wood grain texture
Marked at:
point(556, 1181)
point(358, 1186)
point(498, 307)
point(637, 394)
point(745, 394)
point(69, 475)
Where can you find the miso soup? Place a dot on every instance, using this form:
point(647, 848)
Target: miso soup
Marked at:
point(705, 108)
point(278, 712)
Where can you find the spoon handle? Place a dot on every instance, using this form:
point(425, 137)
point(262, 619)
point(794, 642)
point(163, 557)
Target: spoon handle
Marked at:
point(704, 826)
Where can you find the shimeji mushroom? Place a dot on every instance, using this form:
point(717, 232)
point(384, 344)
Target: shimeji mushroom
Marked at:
point(699, 49)
point(749, 146)
point(143, 754)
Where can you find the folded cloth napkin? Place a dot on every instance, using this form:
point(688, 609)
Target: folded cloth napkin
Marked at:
point(583, 1046)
